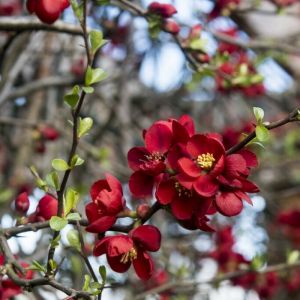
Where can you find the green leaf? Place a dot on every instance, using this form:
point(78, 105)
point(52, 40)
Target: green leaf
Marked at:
point(102, 272)
point(88, 89)
point(257, 262)
point(52, 264)
point(243, 69)
point(96, 39)
point(36, 266)
point(73, 239)
point(95, 285)
point(84, 126)
point(57, 223)
point(76, 161)
point(86, 285)
point(262, 133)
point(59, 164)
point(74, 217)
point(53, 180)
point(94, 75)
point(198, 44)
point(42, 184)
point(259, 114)
point(54, 243)
point(71, 99)
point(78, 9)
point(71, 200)
point(293, 257)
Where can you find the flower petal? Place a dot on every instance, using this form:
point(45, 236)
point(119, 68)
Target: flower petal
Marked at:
point(180, 133)
point(158, 138)
point(188, 123)
point(102, 224)
point(137, 156)
point(111, 202)
point(92, 212)
point(97, 187)
point(165, 192)
point(182, 208)
point(141, 184)
point(235, 165)
point(101, 246)
point(147, 237)
point(205, 186)
point(188, 167)
point(143, 265)
point(119, 244)
point(228, 204)
point(116, 264)
point(249, 157)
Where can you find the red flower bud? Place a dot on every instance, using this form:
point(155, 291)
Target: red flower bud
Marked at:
point(142, 210)
point(46, 208)
point(22, 203)
point(49, 133)
point(48, 11)
point(171, 27)
point(164, 10)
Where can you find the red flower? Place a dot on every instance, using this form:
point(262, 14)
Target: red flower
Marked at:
point(49, 133)
point(206, 163)
point(223, 7)
point(227, 47)
point(164, 10)
point(122, 250)
point(107, 197)
point(10, 8)
point(22, 203)
point(171, 26)
point(46, 208)
point(48, 11)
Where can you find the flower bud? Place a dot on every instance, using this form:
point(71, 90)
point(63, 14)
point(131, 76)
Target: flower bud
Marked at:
point(164, 10)
point(22, 203)
point(171, 26)
point(49, 133)
point(142, 210)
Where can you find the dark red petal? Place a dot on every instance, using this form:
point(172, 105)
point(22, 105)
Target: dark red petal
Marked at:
point(182, 208)
point(188, 167)
point(48, 11)
point(116, 264)
point(201, 144)
point(137, 156)
point(215, 135)
point(143, 265)
point(119, 244)
point(111, 202)
point(147, 236)
point(175, 153)
point(101, 246)
point(250, 158)
point(97, 187)
point(113, 183)
point(165, 192)
point(235, 166)
point(185, 181)
point(218, 167)
point(244, 196)
point(180, 133)
point(249, 187)
point(202, 224)
point(92, 212)
point(228, 204)
point(31, 6)
point(141, 184)
point(205, 186)
point(158, 138)
point(188, 123)
point(101, 225)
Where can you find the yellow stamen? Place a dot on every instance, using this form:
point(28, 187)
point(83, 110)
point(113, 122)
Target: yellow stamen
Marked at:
point(205, 161)
point(182, 191)
point(129, 256)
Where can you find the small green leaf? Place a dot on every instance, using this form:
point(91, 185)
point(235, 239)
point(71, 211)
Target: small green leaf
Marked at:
point(96, 39)
point(78, 9)
point(102, 272)
point(73, 239)
point(86, 285)
point(76, 161)
point(71, 200)
point(262, 133)
point(198, 44)
point(95, 285)
point(71, 99)
point(88, 89)
point(36, 266)
point(259, 114)
point(59, 164)
point(42, 184)
point(54, 243)
point(84, 126)
point(257, 262)
point(52, 264)
point(57, 223)
point(293, 257)
point(74, 217)
point(243, 69)
point(94, 75)
point(53, 180)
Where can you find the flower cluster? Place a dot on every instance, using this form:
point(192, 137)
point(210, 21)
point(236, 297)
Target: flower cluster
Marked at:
point(191, 172)
point(8, 289)
point(223, 8)
point(266, 285)
point(123, 250)
point(163, 13)
point(48, 11)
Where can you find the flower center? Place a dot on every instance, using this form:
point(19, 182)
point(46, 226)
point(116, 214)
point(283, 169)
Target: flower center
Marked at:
point(155, 156)
point(205, 161)
point(129, 256)
point(182, 191)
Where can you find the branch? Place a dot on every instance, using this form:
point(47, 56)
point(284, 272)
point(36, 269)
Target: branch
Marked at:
point(292, 117)
point(32, 23)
